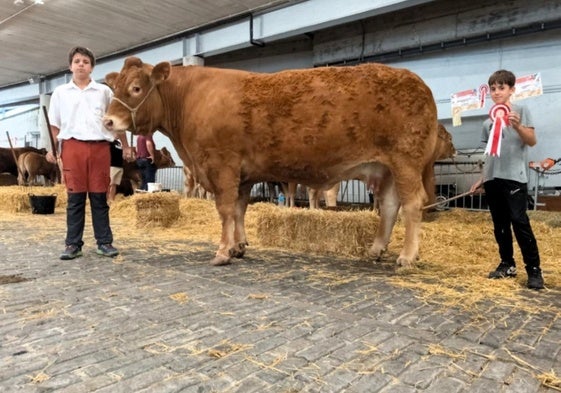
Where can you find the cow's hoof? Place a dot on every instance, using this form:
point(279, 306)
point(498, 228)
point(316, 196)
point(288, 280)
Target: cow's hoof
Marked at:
point(239, 251)
point(404, 263)
point(376, 252)
point(220, 260)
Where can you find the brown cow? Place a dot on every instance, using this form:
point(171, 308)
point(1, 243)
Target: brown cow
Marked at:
point(32, 165)
point(314, 195)
point(315, 126)
point(330, 195)
point(194, 189)
point(163, 158)
point(7, 162)
point(131, 174)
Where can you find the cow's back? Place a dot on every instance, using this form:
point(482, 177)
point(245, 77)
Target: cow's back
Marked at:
point(311, 125)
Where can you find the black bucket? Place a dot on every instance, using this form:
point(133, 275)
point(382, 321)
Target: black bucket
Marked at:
point(42, 204)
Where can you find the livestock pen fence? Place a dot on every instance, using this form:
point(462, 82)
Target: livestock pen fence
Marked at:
point(453, 178)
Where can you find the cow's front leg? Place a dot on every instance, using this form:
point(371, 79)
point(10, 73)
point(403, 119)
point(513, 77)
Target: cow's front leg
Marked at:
point(412, 216)
point(413, 197)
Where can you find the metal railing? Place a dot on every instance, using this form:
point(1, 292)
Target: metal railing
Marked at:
point(452, 178)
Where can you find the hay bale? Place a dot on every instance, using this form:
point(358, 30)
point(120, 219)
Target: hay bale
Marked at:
point(15, 199)
point(343, 233)
point(161, 209)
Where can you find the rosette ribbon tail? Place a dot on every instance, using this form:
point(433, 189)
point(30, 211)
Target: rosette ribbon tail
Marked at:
point(494, 144)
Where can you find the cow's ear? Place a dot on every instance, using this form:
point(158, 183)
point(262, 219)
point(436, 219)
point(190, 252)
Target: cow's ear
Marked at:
point(161, 72)
point(111, 78)
point(132, 62)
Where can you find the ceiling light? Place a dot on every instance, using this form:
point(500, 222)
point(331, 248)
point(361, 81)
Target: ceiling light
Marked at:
point(35, 2)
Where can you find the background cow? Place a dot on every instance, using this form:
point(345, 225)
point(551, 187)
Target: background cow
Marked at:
point(7, 162)
point(315, 126)
point(194, 189)
point(131, 174)
point(32, 165)
point(163, 158)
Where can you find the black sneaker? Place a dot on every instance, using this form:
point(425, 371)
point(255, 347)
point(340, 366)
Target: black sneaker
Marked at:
point(535, 278)
point(107, 250)
point(70, 252)
point(503, 270)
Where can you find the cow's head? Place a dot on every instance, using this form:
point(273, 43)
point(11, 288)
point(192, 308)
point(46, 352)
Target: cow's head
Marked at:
point(136, 104)
point(444, 146)
point(163, 159)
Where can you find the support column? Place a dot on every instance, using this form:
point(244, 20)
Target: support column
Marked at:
point(193, 60)
point(44, 140)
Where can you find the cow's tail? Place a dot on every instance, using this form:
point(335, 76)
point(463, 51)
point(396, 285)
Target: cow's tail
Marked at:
point(428, 171)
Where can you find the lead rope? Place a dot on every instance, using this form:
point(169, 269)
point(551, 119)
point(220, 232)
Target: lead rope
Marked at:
point(133, 110)
point(447, 200)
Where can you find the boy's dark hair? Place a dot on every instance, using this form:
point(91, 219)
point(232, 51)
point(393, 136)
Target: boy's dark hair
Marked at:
point(502, 77)
point(83, 51)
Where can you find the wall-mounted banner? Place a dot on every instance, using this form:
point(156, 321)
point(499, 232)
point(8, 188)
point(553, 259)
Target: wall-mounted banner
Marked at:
point(463, 101)
point(528, 86)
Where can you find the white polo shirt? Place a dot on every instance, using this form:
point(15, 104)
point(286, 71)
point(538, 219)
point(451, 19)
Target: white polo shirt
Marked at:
point(79, 113)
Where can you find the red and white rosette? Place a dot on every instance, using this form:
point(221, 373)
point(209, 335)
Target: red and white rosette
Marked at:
point(499, 116)
point(483, 91)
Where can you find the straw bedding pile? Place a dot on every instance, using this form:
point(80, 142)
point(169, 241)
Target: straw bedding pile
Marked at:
point(457, 247)
point(15, 199)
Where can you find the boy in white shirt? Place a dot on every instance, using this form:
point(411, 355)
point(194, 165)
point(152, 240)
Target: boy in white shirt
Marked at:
point(75, 114)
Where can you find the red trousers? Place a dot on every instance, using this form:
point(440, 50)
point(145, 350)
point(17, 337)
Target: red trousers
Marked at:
point(86, 165)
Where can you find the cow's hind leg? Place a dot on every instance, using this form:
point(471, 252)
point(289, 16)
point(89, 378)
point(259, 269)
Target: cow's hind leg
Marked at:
point(412, 195)
point(240, 240)
point(226, 206)
point(389, 205)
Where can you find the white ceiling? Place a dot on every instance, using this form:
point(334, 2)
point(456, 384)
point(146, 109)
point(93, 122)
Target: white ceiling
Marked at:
point(35, 38)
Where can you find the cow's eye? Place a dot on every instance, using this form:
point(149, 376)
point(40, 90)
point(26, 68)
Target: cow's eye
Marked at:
point(136, 89)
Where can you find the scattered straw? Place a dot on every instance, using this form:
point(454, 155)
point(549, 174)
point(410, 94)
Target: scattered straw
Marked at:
point(226, 348)
point(550, 380)
point(547, 379)
point(180, 297)
point(435, 349)
point(41, 377)
point(258, 296)
point(272, 366)
point(370, 348)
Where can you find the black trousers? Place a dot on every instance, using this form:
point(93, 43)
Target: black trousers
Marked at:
point(508, 203)
point(76, 218)
point(147, 172)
